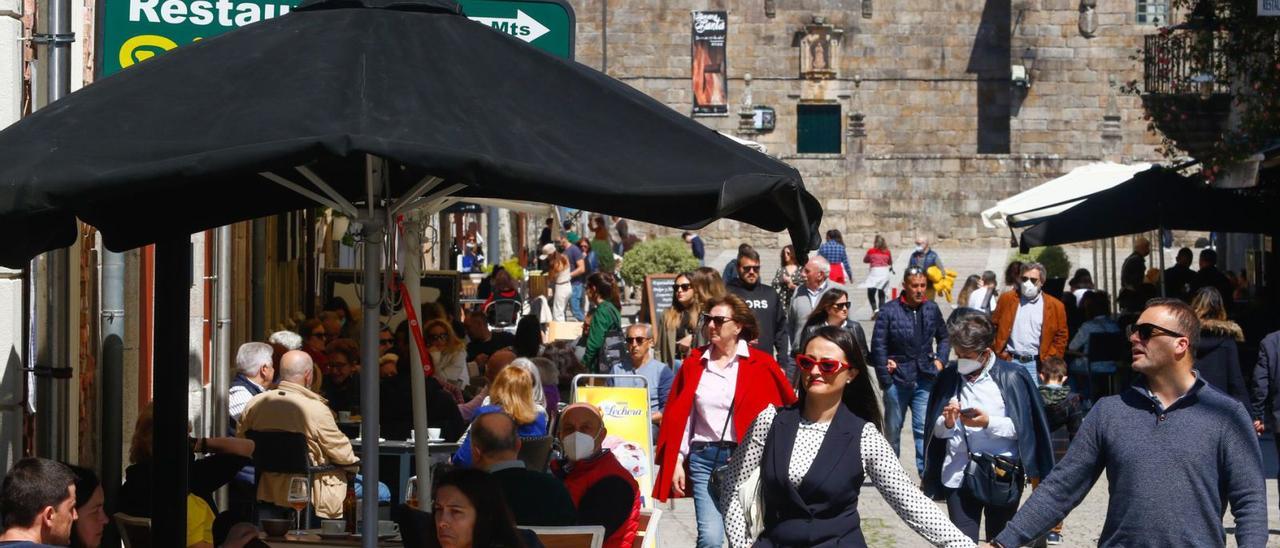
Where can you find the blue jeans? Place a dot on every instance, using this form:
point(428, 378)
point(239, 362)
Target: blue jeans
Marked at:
point(575, 300)
point(896, 400)
point(1031, 369)
point(706, 505)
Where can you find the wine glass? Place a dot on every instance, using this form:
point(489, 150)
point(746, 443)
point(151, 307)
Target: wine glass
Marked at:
point(411, 492)
point(299, 497)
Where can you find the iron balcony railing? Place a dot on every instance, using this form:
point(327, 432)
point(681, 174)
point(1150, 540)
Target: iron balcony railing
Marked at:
point(1186, 61)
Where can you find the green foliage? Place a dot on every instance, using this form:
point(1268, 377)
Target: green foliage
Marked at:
point(1053, 257)
point(659, 256)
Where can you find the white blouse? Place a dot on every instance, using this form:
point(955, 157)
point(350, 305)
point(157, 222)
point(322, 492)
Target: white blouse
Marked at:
point(881, 465)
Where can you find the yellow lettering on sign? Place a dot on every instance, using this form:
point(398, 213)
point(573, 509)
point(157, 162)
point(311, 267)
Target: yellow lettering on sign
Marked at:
point(143, 47)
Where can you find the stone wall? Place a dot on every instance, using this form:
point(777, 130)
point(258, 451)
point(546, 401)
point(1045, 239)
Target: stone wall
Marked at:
point(946, 134)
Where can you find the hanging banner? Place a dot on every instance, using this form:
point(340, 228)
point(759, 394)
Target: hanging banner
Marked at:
point(626, 417)
point(710, 73)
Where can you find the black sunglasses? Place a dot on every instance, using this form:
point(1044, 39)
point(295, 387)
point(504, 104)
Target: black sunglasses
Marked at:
point(841, 306)
point(755, 268)
point(637, 340)
point(1032, 280)
point(683, 287)
point(715, 320)
point(1147, 330)
point(438, 337)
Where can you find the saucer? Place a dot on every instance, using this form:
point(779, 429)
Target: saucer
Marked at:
point(334, 536)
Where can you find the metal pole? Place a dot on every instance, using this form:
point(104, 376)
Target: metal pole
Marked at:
point(1115, 281)
point(1160, 250)
point(172, 318)
point(112, 377)
point(372, 234)
point(492, 254)
point(221, 332)
point(410, 259)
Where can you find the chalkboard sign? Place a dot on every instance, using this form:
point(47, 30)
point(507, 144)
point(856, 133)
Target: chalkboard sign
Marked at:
point(659, 293)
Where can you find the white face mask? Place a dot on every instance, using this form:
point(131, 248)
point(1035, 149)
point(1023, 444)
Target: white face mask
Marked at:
point(919, 249)
point(1030, 290)
point(967, 366)
point(578, 446)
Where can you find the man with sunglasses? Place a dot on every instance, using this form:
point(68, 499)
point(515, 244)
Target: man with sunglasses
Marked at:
point(764, 304)
point(1030, 325)
point(639, 361)
point(908, 347)
point(1174, 450)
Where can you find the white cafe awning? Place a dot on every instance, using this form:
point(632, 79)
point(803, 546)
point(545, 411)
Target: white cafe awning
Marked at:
point(1057, 195)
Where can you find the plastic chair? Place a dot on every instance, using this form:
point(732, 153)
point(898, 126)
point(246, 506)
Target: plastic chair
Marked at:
point(647, 535)
point(135, 532)
point(536, 452)
point(503, 312)
point(570, 537)
point(284, 453)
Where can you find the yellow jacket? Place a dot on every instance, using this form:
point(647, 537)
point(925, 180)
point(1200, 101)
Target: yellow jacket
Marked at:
point(292, 408)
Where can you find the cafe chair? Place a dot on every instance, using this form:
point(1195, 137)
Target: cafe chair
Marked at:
point(1105, 347)
point(284, 453)
point(135, 532)
point(503, 312)
point(577, 536)
point(536, 452)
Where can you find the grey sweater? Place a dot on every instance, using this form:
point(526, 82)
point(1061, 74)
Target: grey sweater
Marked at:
point(1171, 473)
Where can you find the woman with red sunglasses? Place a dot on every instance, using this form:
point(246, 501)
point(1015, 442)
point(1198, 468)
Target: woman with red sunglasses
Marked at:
point(718, 391)
point(811, 458)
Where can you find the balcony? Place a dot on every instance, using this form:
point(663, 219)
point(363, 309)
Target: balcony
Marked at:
point(1185, 88)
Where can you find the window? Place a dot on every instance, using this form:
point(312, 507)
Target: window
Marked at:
point(818, 129)
point(1154, 12)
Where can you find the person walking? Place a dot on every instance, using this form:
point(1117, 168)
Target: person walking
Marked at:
point(1217, 356)
point(984, 297)
point(717, 393)
point(577, 276)
point(981, 405)
point(606, 322)
point(908, 347)
point(788, 277)
point(696, 247)
point(833, 310)
point(925, 258)
point(763, 301)
point(811, 458)
point(834, 252)
point(806, 296)
point(562, 285)
point(1179, 277)
point(1030, 325)
point(880, 261)
point(1182, 448)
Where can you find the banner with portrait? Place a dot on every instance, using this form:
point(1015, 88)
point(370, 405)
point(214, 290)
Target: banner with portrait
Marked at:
point(710, 69)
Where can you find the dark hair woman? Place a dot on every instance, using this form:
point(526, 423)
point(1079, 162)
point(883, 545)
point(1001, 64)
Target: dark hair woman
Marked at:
point(602, 291)
point(812, 457)
point(718, 391)
point(91, 519)
point(470, 511)
point(677, 327)
point(833, 309)
point(788, 277)
point(1217, 353)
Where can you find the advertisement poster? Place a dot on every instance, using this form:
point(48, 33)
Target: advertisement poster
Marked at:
point(626, 417)
point(710, 73)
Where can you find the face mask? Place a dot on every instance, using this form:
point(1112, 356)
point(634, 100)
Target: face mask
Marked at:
point(1030, 290)
point(967, 366)
point(919, 249)
point(578, 446)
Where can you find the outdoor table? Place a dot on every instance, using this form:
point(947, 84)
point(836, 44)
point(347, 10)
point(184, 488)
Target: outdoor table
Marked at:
point(312, 540)
point(402, 452)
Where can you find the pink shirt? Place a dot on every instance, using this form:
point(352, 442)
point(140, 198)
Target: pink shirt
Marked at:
point(712, 399)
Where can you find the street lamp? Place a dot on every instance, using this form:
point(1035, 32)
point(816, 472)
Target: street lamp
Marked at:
point(1020, 75)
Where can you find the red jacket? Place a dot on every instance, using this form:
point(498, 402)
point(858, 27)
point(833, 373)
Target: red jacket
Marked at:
point(761, 383)
point(587, 473)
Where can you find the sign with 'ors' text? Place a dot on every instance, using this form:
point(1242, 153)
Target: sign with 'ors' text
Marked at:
point(1269, 8)
point(133, 31)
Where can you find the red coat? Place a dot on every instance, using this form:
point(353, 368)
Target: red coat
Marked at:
point(761, 383)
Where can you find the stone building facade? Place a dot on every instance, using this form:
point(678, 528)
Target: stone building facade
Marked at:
point(934, 128)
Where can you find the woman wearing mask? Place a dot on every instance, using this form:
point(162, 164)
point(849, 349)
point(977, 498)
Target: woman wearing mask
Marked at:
point(511, 393)
point(448, 354)
point(719, 390)
point(788, 277)
point(880, 260)
point(981, 404)
point(470, 511)
point(812, 458)
point(678, 325)
point(91, 519)
point(602, 291)
point(833, 309)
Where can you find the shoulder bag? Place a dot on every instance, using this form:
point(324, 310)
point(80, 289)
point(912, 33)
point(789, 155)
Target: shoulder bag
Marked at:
point(993, 480)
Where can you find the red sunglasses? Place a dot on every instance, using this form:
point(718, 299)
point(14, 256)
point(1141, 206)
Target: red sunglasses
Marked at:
point(826, 365)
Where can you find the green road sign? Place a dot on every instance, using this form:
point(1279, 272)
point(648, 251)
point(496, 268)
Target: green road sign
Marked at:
point(131, 31)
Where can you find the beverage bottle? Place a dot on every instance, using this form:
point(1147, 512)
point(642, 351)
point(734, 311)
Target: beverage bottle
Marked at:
point(349, 505)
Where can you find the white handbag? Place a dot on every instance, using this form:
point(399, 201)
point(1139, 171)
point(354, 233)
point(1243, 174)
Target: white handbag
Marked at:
point(752, 505)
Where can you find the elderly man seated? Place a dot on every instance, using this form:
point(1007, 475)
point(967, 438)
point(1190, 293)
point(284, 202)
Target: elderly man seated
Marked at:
point(292, 407)
point(604, 492)
point(535, 498)
point(640, 361)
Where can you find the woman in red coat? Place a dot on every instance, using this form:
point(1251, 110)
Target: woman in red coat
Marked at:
point(717, 393)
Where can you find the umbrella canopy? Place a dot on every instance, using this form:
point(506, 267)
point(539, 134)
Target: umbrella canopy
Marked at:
point(176, 144)
point(1056, 195)
point(1156, 198)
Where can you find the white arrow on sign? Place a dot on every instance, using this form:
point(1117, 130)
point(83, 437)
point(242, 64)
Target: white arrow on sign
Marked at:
point(522, 26)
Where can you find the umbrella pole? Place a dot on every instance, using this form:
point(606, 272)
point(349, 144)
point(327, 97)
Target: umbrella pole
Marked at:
point(410, 261)
point(372, 234)
point(1160, 249)
point(170, 450)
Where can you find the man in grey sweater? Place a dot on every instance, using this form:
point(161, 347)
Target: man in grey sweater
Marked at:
point(1175, 450)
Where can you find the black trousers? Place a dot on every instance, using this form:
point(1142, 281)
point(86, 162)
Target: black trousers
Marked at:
point(966, 512)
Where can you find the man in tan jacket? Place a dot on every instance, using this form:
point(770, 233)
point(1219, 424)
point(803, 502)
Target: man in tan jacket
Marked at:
point(1030, 325)
point(291, 407)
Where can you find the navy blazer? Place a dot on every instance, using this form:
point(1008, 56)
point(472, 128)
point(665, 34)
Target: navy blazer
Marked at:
point(823, 511)
point(1022, 404)
point(894, 337)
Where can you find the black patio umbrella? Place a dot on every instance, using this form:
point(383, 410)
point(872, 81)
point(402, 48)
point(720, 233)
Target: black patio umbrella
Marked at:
point(384, 103)
point(1156, 198)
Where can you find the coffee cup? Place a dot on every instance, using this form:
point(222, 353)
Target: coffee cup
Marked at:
point(344, 416)
point(387, 528)
point(434, 433)
point(276, 528)
point(412, 436)
point(333, 526)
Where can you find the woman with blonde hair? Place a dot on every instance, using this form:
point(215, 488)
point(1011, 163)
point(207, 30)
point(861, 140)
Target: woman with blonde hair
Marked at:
point(562, 287)
point(448, 353)
point(511, 393)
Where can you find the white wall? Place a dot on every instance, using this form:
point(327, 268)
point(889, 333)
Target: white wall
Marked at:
point(10, 285)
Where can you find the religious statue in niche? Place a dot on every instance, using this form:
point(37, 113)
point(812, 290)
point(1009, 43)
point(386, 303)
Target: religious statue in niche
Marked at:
point(1088, 24)
point(819, 45)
